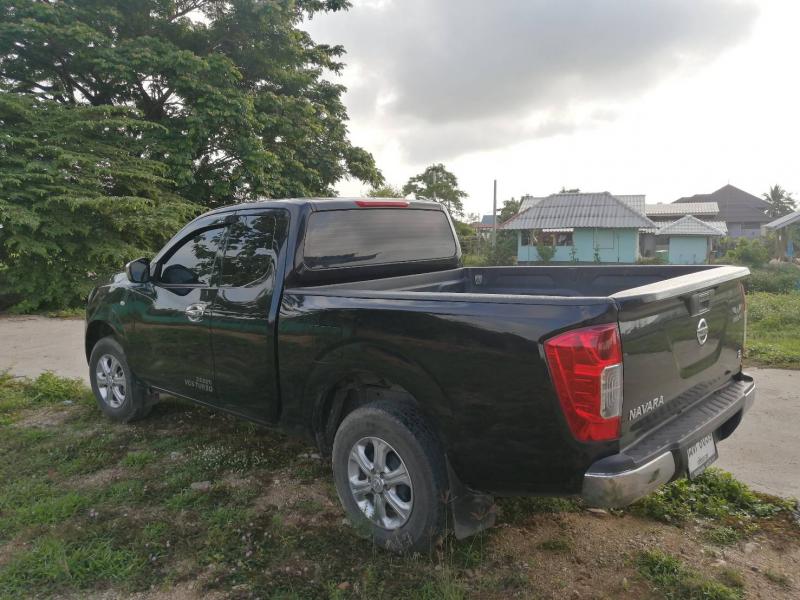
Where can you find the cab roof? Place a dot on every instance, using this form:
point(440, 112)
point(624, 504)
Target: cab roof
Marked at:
point(320, 204)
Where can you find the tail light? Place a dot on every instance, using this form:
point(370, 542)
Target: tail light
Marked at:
point(586, 368)
point(743, 351)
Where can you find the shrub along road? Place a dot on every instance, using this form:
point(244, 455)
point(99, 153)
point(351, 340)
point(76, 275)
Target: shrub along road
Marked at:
point(764, 452)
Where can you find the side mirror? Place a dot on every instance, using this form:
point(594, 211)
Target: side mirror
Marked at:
point(138, 271)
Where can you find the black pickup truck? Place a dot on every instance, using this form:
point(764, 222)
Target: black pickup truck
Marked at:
point(430, 385)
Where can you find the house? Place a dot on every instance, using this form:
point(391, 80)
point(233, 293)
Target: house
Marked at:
point(783, 238)
point(580, 227)
point(743, 213)
point(485, 226)
point(688, 240)
point(665, 214)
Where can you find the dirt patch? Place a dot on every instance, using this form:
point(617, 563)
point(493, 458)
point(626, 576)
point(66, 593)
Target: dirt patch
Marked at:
point(44, 418)
point(299, 503)
point(602, 551)
point(98, 478)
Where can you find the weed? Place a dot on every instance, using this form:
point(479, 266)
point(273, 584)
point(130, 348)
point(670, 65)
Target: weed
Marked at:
point(670, 576)
point(518, 510)
point(52, 564)
point(714, 495)
point(778, 578)
point(723, 535)
point(139, 460)
point(731, 577)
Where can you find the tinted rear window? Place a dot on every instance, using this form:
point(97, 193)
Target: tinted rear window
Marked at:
point(352, 238)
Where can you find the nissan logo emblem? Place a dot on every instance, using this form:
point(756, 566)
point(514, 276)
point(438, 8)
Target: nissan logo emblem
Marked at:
point(702, 331)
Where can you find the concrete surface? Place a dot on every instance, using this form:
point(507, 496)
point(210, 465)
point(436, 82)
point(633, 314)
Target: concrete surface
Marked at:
point(764, 452)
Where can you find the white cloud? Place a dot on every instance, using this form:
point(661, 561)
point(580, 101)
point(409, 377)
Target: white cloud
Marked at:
point(667, 97)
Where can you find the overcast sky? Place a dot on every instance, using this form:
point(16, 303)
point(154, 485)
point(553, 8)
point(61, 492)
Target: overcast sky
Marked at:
point(662, 97)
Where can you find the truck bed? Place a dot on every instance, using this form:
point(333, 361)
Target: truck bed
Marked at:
point(587, 281)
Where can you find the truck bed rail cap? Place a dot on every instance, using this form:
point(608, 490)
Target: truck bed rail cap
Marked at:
point(683, 284)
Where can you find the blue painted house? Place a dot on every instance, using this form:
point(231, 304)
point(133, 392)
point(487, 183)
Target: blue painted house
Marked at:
point(580, 227)
point(687, 240)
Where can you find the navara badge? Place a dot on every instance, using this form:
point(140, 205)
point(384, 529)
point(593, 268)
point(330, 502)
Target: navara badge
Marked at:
point(702, 331)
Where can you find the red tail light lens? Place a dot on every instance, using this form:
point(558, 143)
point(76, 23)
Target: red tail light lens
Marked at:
point(586, 368)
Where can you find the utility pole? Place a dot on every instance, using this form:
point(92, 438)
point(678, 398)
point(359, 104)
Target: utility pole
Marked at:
point(494, 216)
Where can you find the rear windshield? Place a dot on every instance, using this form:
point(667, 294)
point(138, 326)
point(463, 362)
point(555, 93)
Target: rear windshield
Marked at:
point(351, 238)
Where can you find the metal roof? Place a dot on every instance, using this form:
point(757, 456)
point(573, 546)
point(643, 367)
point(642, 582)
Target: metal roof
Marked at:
point(635, 201)
point(690, 225)
point(579, 210)
point(683, 208)
point(784, 221)
point(487, 220)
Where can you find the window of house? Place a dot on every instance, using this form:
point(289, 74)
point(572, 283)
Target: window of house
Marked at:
point(563, 238)
point(192, 262)
point(528, 238)
point(604, 239)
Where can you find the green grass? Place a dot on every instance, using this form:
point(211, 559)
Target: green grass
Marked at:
point(86, 504)
point(773, 329)
point(714, 495)
point(676, 581)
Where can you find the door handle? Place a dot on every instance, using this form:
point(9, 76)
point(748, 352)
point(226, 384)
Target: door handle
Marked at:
point(195, 312)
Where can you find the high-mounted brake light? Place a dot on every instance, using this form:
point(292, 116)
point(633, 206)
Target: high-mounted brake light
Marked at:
point(382, 203)
point(586, 368)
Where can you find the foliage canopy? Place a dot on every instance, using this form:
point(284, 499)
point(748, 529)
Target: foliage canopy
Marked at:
point(76, 199)
point(236, 87)
point(439, 184)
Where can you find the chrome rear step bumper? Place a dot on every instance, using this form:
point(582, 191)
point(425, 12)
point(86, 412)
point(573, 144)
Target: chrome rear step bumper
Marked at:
point(623, 478)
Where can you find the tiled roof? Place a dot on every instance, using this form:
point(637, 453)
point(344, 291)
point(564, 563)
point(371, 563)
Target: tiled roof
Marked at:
point(735, 205)
point(680, 209)
point(579, 210)
point(783, 221)
point(487, 220)
point(689, 225)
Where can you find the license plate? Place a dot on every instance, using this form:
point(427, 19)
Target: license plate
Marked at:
point(700, 455)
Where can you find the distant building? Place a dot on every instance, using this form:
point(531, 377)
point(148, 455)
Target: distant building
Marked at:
point(663, 215)
point(581, 227)
point(484, 226)
point(688, 240)
point(743, 213)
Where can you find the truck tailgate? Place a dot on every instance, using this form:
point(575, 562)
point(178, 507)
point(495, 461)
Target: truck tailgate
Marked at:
point(682, 340)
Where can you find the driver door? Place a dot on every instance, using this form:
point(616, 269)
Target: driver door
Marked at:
point(172, 337)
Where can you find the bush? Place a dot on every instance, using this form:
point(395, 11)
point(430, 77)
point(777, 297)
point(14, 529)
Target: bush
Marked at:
point(777, 279)
point(751, 253)
point(546, 252)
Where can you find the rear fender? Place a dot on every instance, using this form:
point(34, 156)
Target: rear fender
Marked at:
point(369, 362)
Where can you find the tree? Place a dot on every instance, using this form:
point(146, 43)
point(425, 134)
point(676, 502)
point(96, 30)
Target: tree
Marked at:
point(77, 200)
point(439, 184)
point(510, 208)
point(385, 191)
point(236, 87)
point(780, 201)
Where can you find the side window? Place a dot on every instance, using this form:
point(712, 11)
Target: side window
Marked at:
point(192, 262)
point(252, 249)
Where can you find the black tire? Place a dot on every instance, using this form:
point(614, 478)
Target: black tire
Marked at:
point(412, 441)
point(137, 401)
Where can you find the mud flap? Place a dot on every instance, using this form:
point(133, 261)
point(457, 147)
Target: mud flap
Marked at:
point(472, 511)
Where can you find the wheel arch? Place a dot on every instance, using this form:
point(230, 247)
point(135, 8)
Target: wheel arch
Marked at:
point(357, 374)
point(96, 331)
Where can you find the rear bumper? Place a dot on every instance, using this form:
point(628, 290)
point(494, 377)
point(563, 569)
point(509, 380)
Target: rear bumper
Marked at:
point(660, 457)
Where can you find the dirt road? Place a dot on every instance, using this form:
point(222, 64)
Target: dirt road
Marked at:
point(764, 452)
